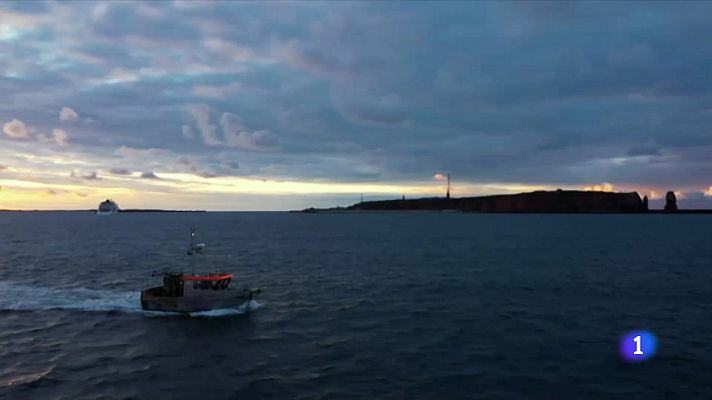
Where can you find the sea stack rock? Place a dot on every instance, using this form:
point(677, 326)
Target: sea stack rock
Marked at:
point(670, 202)
point(645, 203)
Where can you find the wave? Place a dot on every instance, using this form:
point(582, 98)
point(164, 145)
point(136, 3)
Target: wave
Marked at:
point(21, 297)
point(24, 379)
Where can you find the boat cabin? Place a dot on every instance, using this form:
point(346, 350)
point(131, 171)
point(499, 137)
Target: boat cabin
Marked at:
point(179, 285)
point(210, 281)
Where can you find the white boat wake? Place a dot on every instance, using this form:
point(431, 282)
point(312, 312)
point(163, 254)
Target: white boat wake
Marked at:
point(21, 297)
point(251, 305)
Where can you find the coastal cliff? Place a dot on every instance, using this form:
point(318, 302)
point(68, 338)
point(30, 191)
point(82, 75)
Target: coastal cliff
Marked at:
point(559, 201)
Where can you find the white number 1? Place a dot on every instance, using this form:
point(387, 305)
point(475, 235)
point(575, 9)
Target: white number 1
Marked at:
point(637, 351)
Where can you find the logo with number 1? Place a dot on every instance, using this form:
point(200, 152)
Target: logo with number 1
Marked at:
point(637, 351)
point(638, 345)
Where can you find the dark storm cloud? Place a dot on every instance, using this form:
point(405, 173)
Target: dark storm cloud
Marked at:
point(30, 7)
point(644, 151)
point(149, 175)
point(92, 175)
point(120, 171)
point(539, 92)
point(149, 21)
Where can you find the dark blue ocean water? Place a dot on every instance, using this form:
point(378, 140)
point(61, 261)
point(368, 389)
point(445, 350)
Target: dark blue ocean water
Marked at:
point(388, 306)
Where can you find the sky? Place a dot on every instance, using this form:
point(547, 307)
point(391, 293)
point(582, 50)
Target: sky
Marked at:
point(285, 105)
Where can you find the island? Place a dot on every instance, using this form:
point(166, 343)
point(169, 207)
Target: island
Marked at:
point(156, 210)
point(557, 201)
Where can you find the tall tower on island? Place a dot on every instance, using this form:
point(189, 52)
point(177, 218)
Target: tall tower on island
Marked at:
point(448, 186)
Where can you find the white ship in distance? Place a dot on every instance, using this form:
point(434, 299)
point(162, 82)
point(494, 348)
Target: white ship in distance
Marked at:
point(107, 207)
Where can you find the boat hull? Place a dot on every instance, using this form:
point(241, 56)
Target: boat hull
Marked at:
point(209, 300)
point(106, 212)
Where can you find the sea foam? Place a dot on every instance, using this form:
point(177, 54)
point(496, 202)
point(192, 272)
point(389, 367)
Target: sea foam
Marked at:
point(22, 297)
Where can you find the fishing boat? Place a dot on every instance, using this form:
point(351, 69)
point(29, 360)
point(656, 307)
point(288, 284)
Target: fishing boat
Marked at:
point(186, 293)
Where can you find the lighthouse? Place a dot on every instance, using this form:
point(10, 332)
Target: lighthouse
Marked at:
point(447, 195)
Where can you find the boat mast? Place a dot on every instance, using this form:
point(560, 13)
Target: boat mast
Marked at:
point(192, 242)
point(195, 248)
point(190, 250)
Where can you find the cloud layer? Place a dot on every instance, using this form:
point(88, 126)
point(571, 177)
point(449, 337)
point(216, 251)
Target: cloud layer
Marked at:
point(507, 95)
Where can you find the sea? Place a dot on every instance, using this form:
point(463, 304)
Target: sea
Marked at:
point(358, 306)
